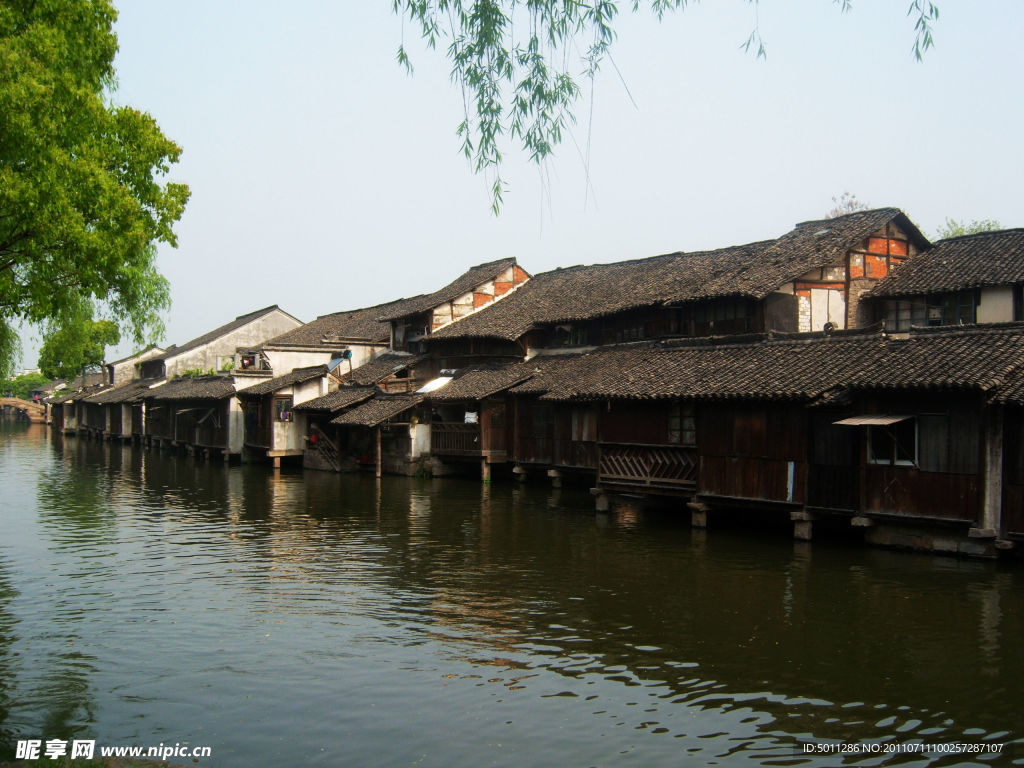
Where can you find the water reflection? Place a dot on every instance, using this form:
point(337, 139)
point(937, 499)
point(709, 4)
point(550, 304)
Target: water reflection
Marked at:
point(190, 590)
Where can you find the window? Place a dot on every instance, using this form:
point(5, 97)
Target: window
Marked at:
point(893, 443)
point(282, 409)
point(902, 314)
point(959, 308)
point(682, 429)
point(579, 337)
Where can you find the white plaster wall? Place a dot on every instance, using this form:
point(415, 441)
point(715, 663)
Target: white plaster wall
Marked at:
point(996, 305)
point(125, 372)
point(244, 381)
point(250, 335)
point(286, 361)
point(419, 437)
point(307, 390)
point(289, 435)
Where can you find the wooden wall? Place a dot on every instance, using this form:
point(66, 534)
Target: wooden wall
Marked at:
point(747, 451)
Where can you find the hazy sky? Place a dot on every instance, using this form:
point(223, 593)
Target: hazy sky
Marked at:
point(324, 178)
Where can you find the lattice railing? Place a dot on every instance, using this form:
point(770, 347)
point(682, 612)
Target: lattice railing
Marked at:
point(454, 438)
point(668, 466)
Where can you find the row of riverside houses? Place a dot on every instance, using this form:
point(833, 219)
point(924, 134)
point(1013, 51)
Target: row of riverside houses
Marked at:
point(847, 374)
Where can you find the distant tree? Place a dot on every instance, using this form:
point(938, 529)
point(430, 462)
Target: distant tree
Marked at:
point(519, 64)
point(82, 202)
point(22, 386)
point(844, 204)
point(954, 228)
point(77, 343)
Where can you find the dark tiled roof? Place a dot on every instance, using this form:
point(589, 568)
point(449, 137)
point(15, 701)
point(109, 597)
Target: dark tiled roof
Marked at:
point(378, 410)
point(1013, 392)
point(793, 367)
point(463, 284)
point(972, 261)
point(206, 338)
point(333, 330)
point(478, 383)
point(753, 270)
point(380, 368)
point(821, 242)
point(134, 355)
point(199, 388)
point(337, 400)
point(77, 393)
point(976, 357)
point(297, 376)
point(133, 390)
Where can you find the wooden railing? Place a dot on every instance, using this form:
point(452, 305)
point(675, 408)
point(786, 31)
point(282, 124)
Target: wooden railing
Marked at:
point(326, 448)
point(400, 386)
point(648, 466)
point(453, 438)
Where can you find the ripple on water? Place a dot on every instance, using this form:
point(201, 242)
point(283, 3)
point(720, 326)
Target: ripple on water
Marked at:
point(162, 599)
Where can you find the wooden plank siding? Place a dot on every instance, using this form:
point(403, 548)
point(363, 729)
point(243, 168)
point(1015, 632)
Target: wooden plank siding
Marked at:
point(833, 476)
point(945, 479)
point(909, 492)
point(1013, 471)
point(755, 452)
point(114, 418)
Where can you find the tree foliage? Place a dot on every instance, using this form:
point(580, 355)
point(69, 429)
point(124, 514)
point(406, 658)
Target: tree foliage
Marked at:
point(520, 64)
point(844, 204)
point(954, 228)
point(76, 343)
point(82, 199)
point(22, 386)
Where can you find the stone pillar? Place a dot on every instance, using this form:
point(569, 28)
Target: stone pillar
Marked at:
point(601, 501)
point(992, 475)
point(519, 473)
point(485, 471)
point(379, 458)
point(556, 478)
point(802, 524)
point(276, 461)
point(698, 514)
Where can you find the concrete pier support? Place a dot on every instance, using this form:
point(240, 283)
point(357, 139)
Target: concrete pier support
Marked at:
point(803, 522)
point(698, 514)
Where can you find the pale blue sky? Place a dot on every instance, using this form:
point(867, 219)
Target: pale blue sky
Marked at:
point(324, 178)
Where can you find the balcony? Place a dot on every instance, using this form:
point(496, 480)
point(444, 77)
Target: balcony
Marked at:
point(648, 467)
point(454, 438)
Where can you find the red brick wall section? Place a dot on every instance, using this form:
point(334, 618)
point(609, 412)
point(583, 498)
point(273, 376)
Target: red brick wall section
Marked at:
point(479, 299)
point(876, 266)
point(519, 275)
point(501, 287)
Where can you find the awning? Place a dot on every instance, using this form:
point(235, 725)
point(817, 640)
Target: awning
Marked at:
point(436, 384)
point(871, 420)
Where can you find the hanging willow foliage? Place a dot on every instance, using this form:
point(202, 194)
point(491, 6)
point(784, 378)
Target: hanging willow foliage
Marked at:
point(519, 64)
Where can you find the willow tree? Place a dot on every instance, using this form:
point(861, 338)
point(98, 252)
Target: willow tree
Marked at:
point(83, 201)
point(520, 64)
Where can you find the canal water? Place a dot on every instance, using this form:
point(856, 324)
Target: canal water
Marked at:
point(311, 619)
